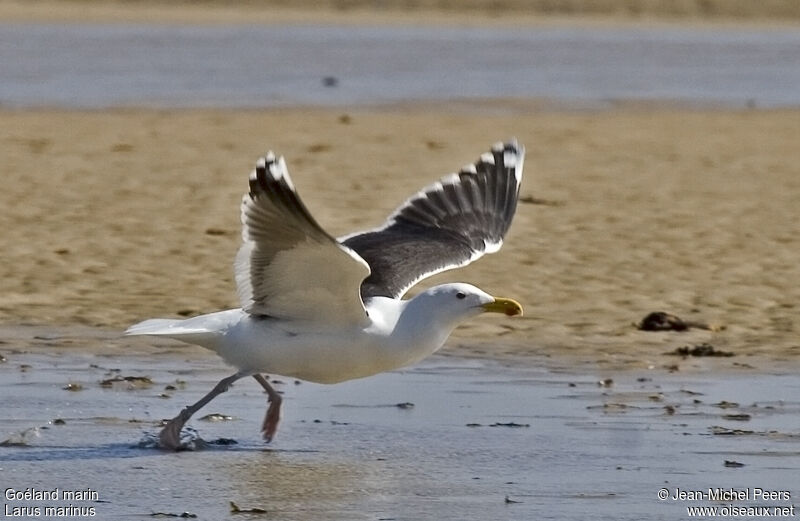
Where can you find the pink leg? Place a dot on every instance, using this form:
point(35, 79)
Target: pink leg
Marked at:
point(273, 417)
point(170, 436)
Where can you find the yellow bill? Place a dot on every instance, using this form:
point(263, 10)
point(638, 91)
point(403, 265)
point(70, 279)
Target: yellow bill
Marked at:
point(507, 306)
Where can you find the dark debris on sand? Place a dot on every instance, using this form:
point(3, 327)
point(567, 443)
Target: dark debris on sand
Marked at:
point(529, 199)
point(717, 430)
point(236, 509)
point(663, 321)
point(700, 350)
point(740, 417)
point(216, 417)
point(512, 425)
point(134, 382)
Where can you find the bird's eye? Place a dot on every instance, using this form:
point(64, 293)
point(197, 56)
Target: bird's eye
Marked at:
point(460, 295)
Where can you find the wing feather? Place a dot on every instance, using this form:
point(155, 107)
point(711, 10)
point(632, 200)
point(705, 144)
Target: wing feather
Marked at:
point(447, 225)
point(287, 265)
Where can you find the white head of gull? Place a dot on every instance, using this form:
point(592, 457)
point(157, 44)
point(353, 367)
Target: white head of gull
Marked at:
point(326, 310)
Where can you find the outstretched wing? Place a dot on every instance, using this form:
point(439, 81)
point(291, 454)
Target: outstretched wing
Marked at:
point(447, 225)
point(288, 266)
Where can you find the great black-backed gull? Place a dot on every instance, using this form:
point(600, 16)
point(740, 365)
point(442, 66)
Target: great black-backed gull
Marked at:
point(328, 310)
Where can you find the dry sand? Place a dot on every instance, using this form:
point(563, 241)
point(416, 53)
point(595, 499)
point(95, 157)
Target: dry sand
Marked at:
point(110, 217)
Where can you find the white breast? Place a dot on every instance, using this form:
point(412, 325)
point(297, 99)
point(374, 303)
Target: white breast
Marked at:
point(322, 354)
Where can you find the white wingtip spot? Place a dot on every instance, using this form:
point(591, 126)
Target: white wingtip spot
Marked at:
point(510, 158)
point(283, 172)
point(492, 247)
point(486, 157)
point(451, 179)
point(469, 169)
point(519, 159)
point(270, 156)
point(498, 147)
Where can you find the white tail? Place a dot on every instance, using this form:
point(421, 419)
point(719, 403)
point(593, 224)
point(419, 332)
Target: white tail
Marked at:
point(204, 330)
point(159, 326)
point(182, 330)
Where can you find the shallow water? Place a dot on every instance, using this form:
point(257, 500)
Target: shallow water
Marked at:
point(102, 65)
point(562, 445)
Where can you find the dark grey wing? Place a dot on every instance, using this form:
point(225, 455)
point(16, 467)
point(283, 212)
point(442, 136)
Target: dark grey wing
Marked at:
point(447, 225)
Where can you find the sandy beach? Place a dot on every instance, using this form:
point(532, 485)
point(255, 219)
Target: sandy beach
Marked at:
point(115, 216)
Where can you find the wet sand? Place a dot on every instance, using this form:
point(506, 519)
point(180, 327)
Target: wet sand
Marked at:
point(472, 440)
point(193, 66)
point(116, 216)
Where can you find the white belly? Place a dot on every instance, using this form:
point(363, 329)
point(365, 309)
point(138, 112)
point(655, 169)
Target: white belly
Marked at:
point(322, 355)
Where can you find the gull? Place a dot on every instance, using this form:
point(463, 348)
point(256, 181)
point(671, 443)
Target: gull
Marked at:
point(327, 310)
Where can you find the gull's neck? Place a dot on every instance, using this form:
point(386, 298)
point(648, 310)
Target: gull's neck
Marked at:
point(411, 329)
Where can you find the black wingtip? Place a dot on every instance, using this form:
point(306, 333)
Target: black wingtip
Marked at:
point(263, 180)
